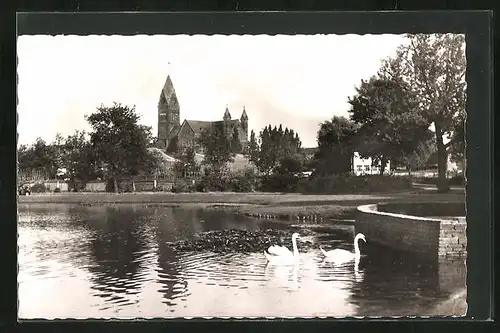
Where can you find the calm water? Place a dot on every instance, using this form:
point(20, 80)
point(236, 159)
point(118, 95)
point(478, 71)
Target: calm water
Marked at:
point(114, 262)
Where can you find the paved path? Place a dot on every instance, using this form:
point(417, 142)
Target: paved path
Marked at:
point(429, 187)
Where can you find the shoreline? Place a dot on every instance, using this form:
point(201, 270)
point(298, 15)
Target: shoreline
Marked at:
point(276, 206)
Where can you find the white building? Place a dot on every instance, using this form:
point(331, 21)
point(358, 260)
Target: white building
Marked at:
point(364, 166)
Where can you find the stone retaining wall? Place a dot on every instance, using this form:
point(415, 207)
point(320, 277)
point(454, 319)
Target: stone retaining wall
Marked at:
point(429, 238)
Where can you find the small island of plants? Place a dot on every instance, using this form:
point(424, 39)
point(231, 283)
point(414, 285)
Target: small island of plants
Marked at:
point(236, 240)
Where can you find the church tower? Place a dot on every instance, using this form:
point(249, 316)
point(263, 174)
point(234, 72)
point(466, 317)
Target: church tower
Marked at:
point(244, 128)
point(227, 122)
point(168, 114)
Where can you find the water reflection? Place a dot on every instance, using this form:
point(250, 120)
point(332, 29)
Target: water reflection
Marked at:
point(119, 252)
point(172, 284)
point(389, 278)
point(117, 262)
point(285, 275)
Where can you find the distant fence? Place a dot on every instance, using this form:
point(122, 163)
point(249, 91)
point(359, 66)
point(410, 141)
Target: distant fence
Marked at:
point(141, 184)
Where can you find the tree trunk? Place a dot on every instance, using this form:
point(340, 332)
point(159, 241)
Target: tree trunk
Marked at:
point(115, 185)
point(442, 183)
point(383, 164)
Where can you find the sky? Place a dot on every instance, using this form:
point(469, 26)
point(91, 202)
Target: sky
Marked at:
point(298, 81)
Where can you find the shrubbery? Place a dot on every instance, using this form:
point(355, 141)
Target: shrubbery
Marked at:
point(242, 180)
point(182, 186)
point(348, 183)
point(39, 188)
point(280, 183)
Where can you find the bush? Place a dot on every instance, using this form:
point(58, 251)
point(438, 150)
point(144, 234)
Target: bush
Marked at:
point(213, 180)
point(182, 186)
point(244, 180)
point(280, 183)
point(349, 183)
point(39, 188)
point(286, 176)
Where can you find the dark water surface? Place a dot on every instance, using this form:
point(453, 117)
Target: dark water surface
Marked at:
point(114, 262)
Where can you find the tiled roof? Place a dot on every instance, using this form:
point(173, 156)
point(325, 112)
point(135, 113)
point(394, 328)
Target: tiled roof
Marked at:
point(198, 125)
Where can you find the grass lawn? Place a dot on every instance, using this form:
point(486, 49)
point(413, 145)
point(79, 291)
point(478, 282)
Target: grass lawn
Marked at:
point(277, 204)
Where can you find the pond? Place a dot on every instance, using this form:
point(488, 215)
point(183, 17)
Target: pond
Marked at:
point(116, 262)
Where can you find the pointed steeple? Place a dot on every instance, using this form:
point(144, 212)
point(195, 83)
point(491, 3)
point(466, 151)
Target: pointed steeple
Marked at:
point(227, 115)
point(168, 89)
point(244, 115)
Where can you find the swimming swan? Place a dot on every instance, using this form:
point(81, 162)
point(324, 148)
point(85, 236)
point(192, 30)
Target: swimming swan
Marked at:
point(342, 256)
point(281, 255)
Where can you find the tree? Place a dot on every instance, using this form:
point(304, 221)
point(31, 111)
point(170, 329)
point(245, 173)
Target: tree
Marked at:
point(457, 146)
point(419, 157)
point(275, 144)
point(253, 148)
point(77, 159)
point(336, 143)
point(390, 122)
point(217, 148)
point(156, 165)
point(236, 146)
point(186, 163)
point(120, 143)
point(434, 67)
point(287, 173)
point(173, 146)
point(44, 158)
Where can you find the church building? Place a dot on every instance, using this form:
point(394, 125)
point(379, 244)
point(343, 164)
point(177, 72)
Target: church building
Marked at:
point(172, 132)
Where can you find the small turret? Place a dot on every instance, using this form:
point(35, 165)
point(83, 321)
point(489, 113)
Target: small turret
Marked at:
point(244, 116)
point(227, 115)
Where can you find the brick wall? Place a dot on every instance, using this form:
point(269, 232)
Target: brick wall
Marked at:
point(453, 239)
point(425, 237)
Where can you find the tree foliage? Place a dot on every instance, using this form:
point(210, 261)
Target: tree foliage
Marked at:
point(336, 143)
point(38, 158)
point(391, 125)
point(236, 146)
point(119, 142)
point(253, 148)
point(186, 163)
point(434, 67)
point(274, 144)
point(78, 160)
point(419, 157)
point(216, 144)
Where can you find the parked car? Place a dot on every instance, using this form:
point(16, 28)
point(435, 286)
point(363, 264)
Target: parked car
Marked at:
point(24, 190)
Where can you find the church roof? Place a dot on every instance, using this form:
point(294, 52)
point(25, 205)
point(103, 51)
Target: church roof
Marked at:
point(199, 126)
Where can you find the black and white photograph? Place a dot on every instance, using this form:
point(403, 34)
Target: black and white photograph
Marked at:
point(241, 176)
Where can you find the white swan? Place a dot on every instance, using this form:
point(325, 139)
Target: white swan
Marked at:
point(281, 255)
point(343, 256)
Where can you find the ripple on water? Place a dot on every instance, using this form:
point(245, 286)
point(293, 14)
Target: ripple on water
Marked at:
point(137, 274)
